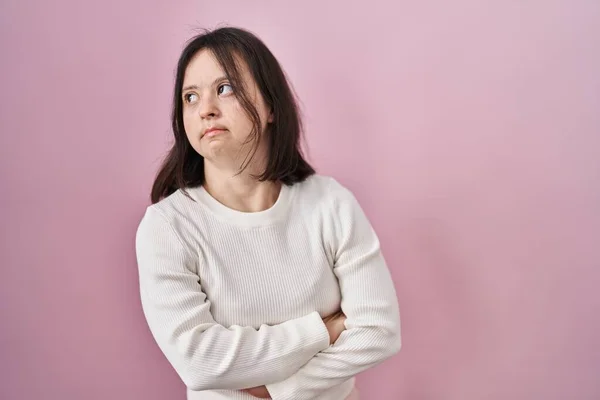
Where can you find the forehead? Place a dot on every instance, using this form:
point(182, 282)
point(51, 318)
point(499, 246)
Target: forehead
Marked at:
point(204, 69)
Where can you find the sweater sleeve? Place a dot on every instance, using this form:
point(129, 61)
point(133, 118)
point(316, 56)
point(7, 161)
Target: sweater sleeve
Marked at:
point(205, 354)
point(368, 300)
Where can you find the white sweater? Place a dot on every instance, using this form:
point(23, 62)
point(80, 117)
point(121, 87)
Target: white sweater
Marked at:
point(234, 300)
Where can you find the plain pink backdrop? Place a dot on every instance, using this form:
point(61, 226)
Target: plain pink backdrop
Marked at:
point(469, 131)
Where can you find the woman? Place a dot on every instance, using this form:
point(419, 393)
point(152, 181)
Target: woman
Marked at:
point(258, 277)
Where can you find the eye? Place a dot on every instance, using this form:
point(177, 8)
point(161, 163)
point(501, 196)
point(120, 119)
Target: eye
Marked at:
point(190, 97)
point(225, 89)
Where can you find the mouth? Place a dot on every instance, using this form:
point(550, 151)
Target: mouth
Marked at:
point(210, 132)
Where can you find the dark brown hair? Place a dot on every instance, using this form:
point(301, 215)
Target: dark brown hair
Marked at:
point(183, 167)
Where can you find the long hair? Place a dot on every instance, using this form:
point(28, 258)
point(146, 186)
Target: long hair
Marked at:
point(183, 167)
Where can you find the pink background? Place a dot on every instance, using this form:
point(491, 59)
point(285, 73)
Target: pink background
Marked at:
point(469, 131)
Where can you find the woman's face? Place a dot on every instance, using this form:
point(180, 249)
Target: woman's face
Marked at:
point(215, 123)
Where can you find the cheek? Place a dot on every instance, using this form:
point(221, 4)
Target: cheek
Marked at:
point(188, 123)
point(239, 115)
point(263, 112)
point(242, 120)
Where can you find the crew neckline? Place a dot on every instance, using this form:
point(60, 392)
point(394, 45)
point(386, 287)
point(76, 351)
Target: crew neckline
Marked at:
point(242, 218)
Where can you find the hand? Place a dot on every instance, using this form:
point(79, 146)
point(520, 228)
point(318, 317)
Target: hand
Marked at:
point(335, 325)
point(261, 392)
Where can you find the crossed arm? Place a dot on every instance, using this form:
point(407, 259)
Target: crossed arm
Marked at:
point(292, 360)
point(368, 301)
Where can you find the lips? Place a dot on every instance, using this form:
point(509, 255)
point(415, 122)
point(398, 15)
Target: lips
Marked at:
point(212, 131)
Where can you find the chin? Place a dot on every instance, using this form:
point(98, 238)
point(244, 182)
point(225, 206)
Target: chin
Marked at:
point(214, 151)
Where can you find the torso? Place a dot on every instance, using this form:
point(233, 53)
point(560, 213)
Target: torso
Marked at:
point(283, 268)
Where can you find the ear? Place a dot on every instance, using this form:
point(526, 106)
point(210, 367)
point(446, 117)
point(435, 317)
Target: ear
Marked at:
point(270, 119)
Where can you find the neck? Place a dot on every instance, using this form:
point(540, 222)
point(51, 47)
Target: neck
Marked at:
point(241, 192)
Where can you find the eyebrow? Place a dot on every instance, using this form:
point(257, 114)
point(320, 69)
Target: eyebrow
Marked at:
point(196, 87)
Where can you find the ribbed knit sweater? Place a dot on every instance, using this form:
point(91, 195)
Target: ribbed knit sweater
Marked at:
point(235, 300)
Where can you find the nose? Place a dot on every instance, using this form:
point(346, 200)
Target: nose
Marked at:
point(208, 107)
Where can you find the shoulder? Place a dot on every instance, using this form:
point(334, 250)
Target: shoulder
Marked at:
point(168, 213)
point(322, 185)
point(327, 185)
point(324, 190)
point(340, 211)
